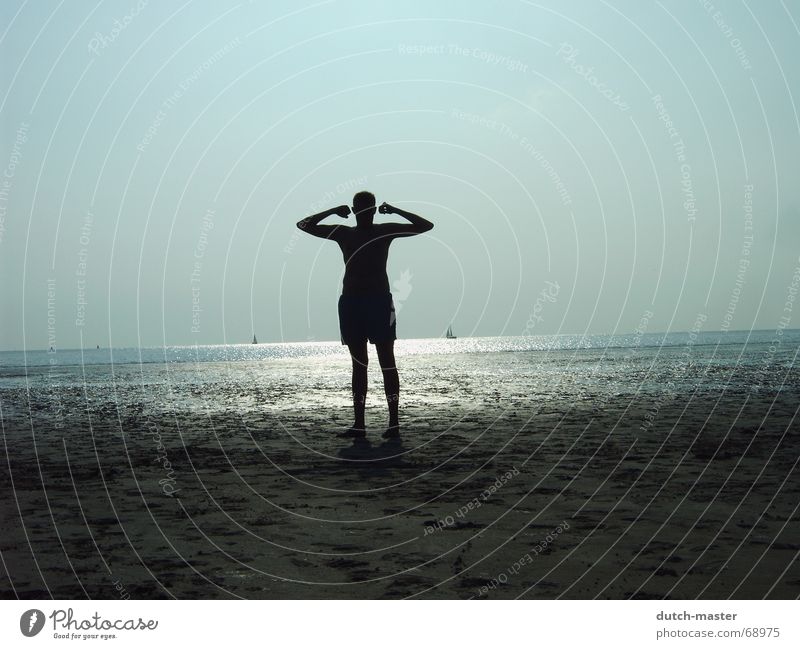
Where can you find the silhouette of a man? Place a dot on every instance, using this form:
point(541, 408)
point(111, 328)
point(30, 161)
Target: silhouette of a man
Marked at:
point(366, 310)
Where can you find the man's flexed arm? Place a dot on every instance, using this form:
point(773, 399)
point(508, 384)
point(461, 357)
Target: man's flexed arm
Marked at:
point(418, 224)
point(311, 224)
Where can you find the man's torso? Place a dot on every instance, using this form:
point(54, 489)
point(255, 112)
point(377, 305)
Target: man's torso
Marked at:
point(365, 251)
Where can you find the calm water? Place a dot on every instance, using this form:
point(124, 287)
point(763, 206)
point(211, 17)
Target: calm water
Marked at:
point(241, 376)
point(747, 342)
point(40, 388)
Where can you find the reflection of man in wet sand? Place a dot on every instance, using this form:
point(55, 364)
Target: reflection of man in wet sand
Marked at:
point(366, 310)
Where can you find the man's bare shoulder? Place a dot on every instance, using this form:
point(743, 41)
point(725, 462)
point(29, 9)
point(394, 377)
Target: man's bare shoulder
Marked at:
point(338, 232)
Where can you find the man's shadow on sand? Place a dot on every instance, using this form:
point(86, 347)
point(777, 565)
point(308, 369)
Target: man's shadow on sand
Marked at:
point(362, 453)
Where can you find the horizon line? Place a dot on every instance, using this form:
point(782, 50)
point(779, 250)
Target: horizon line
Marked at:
point(320, 342)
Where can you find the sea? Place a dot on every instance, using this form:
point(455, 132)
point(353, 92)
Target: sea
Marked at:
point(534, 365)
point(745, 347)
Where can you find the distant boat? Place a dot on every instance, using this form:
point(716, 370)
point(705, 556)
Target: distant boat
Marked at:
point(449, 333)
point(255, 342)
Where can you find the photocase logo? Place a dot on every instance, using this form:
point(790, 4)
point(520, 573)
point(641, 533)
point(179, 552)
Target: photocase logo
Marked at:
point(401, 289)
point(31, 622)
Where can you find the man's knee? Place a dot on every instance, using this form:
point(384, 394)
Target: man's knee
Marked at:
point(387, 363)
point(386, 357)
point(359, 357)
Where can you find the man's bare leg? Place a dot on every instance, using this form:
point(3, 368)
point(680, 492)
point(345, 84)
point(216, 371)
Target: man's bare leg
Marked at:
point(358, 354)
point(391, 385)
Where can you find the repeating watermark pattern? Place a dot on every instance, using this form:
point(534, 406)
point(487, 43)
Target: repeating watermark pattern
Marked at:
point(783, 323)
point(727, 31)
point(344, 188)
point(791, 294)
point(523, 142)
point(120, 589)
point(453, 49)
point(569, 54)
point(691, 341)
point(667, 393)
point(169, 480)
point(51, 319)
point(101, 41)
point(80, 272)
point(197, 266)
point(550, 397)
point(641, 329)
point(526, 559)
point(189, 81)
point(679, 148)
point(52, 356)
point(744, 258)
point(669, 389)
point(290, 245)
point(7, 181)
point(471, 505)
point(548, 294)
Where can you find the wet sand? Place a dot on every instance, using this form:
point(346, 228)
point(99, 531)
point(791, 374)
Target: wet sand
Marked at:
point(683, 494)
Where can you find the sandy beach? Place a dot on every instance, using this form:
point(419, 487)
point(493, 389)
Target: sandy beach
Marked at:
point(512, 487)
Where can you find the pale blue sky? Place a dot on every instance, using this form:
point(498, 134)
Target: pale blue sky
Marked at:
point(493, 128)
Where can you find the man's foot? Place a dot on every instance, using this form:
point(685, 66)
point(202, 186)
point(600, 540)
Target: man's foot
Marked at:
point(392, 432)
point(353, 432)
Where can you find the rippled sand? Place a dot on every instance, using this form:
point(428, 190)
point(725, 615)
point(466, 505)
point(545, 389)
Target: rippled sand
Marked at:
point(516, 476)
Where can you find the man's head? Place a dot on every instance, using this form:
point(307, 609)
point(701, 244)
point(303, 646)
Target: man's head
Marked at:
point(364, 208)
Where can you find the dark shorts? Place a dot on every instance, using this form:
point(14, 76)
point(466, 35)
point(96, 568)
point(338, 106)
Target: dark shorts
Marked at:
point(367, 317)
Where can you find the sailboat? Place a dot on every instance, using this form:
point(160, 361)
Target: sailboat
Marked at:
point(449, 333)
point(255, 342)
